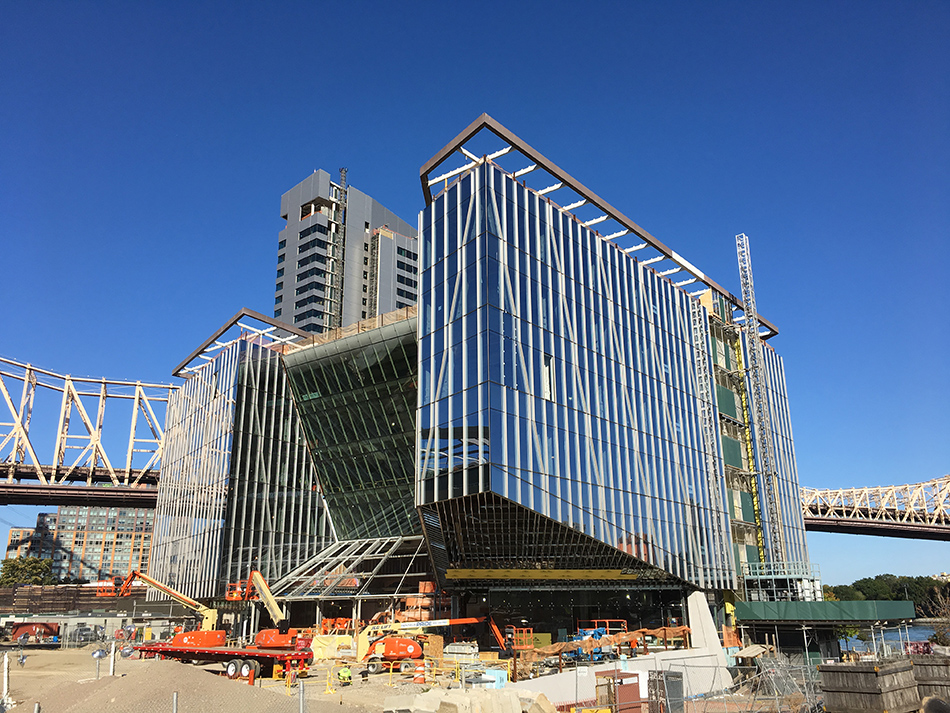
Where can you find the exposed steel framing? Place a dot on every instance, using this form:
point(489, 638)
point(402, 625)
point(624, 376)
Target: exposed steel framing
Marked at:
point(918, 510)
point(87, 399)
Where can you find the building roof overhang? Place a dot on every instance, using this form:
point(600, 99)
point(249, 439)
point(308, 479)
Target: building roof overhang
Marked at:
point(585, 197)
point(272, 328)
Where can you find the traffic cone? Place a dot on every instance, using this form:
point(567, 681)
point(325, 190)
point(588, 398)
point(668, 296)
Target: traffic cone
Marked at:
point(420, 674)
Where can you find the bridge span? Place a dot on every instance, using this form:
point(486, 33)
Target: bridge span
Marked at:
point(105, 450)
point(919, 511)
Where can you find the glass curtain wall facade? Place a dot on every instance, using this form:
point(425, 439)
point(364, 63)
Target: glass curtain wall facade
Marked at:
point(795, 546)
point(237, 489)
point(558, 398)
point(356, 396)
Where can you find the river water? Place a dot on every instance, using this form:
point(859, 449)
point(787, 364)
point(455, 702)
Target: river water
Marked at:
point(892, 638)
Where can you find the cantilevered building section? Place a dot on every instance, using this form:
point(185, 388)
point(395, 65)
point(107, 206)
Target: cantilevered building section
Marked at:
point(342, 256)
point(583, 406)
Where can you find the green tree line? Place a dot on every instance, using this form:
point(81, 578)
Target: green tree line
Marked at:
point(924, 592)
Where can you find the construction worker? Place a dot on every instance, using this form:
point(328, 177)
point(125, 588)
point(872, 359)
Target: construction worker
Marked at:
point(345, 675)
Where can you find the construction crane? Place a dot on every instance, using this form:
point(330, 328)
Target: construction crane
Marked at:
point(759, 402)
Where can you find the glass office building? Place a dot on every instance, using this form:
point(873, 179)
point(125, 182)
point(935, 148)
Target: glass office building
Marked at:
point(560, 433)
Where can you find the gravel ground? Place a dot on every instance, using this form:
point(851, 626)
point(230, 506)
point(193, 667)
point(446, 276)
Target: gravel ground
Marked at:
point(65, 681)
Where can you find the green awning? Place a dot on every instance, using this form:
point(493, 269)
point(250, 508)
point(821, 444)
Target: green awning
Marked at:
point(867, 611)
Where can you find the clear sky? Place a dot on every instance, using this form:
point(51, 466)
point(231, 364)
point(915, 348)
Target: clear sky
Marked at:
point(144, 148)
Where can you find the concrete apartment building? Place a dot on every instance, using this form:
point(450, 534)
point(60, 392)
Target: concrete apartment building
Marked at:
point(342, 256)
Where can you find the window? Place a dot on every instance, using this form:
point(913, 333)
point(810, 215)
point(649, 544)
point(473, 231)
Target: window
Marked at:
point(365, 247)
point(547, 378)
point(316, 257)
point(314, 243)
point(311, 300)
point(315, 313)
point(280, 258)
point(406, 280)
point(400, 305)
point(312, 285)
point(282, 244)
point(280, 272)
point(278, 299)
point(277, 313)
point(407, 267)
point(364, 288)
point(402, 252)
point(364, 314)
point(365, 275)
point(280, 286)
point(365, 226)
point(314, 229)
point(364, 301)
point(312, 272)
point(366, 261)
point(405, 293)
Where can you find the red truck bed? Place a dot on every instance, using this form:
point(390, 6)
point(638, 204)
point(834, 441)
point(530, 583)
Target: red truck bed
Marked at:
point(222, 653)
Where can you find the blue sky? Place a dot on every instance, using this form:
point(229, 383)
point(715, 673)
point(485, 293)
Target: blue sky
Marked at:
point(144, 148)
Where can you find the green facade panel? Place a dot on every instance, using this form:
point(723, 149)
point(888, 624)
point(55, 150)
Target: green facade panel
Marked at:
point(869, 610)
point(727, 401)
point(748, 507)
point(732, 452)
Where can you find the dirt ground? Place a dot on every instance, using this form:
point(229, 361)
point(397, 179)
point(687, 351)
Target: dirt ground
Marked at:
point(65, 681)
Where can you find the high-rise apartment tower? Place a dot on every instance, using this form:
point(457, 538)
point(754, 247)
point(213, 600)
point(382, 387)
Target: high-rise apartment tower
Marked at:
point(342, 256)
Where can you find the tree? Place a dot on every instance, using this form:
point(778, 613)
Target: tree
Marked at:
point(846, 593)
point(883, 586)
point(939, 608)
point(26, 570)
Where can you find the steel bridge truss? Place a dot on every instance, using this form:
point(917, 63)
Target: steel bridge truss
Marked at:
point(918, 510)
point(81, 443)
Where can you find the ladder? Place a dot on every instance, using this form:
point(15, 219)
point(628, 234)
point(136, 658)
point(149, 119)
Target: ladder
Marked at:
point(758, 401)
point(708, 423)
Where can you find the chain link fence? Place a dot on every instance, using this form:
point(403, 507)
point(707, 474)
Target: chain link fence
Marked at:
point(774, 685)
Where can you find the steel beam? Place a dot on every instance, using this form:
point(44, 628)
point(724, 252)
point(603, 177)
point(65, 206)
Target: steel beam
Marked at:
point(121, 497)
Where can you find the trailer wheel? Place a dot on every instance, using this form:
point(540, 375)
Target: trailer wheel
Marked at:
point(250, 665)
point(233, 668)
point(407, 666)
point(374, 666)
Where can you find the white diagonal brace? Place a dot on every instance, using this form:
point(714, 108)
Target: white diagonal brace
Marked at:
point(21, 433)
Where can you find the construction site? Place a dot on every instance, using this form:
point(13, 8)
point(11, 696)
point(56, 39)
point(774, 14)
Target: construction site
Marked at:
point(562, 478)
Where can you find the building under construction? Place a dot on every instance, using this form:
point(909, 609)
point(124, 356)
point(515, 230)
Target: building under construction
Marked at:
point(577, 423)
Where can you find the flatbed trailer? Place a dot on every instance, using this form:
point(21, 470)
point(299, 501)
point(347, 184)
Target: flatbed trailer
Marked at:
point(239, 662)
